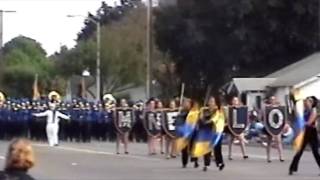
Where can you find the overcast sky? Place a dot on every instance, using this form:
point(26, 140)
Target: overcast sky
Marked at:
point(46, 21)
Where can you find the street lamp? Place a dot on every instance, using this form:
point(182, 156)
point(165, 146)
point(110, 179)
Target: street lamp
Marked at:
point(1, 24)
point(85, 74)
point(98, 71)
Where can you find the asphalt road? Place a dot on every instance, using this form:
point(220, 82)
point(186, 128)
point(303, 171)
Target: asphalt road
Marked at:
point(97, 161)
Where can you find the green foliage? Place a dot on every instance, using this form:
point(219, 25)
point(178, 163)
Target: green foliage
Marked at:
point(122, 53)
point(23, 59)
point(213, 41)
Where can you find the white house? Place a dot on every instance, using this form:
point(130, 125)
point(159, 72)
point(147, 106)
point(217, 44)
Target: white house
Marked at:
point(167, 2)
point(252, 91)
point(303, 75)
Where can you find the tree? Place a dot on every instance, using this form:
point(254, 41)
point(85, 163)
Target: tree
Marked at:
point(23, 59)
point(122, 53)
point(213, 41)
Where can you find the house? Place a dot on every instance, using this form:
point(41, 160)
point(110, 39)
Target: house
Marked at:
point(167, 2)
point(252, 91)
point(303, 75)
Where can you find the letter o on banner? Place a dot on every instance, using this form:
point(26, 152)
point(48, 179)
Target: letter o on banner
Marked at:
point(275, 119)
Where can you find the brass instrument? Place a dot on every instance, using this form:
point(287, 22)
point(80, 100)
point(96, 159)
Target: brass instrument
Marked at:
point(2, 96)
point(53, 95)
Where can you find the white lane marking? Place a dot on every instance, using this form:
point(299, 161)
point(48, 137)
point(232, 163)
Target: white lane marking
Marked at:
point(89, 151)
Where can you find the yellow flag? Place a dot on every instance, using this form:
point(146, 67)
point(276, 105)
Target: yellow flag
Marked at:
point(35, 89)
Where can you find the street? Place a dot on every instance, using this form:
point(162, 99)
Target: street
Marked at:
point(98, 161)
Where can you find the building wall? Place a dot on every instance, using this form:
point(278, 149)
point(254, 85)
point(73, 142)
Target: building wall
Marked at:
point(312, 89)
point(167, 2)
point(282, 93)
point(252, 99)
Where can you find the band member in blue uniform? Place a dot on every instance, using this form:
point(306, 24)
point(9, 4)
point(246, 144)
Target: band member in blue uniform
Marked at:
point(24, 116)
point(87, 123)
point(310, 134)
point(75, 125)
point(68, 125)
point(138, 130)
point(2, 120)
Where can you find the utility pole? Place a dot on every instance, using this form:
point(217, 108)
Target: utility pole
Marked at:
point(98, 98)
point(1, 30)
point(149, 50)
point(98, 55)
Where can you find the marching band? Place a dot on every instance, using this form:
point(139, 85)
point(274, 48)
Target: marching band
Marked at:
point(192, 130)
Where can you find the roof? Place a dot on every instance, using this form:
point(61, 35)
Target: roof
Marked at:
point(252, 84)
point(298, 72)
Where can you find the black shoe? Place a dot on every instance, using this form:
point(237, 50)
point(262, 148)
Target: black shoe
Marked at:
point(196, 165)
point(162, 152)
point(230, 158)
point(118, 153)
point(221, 167)
point(126, 152)
point(291, 172)
point(245, 157)
point(56, 145)
point(269, 161)
point(281, 160)
point(184, 166)
point(205, 169)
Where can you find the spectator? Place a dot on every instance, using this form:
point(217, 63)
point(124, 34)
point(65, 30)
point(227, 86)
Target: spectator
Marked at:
point(19, 160)
point(287, 135)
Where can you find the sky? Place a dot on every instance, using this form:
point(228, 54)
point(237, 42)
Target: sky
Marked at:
point(46, 21)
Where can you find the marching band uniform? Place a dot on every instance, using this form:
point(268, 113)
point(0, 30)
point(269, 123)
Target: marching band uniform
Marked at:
point(52, 127)
point(2, 120)
point(87, 124)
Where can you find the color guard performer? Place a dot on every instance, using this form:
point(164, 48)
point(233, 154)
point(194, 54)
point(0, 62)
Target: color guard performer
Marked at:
point(186, 130)
point(218, 118)
point(310, 135)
